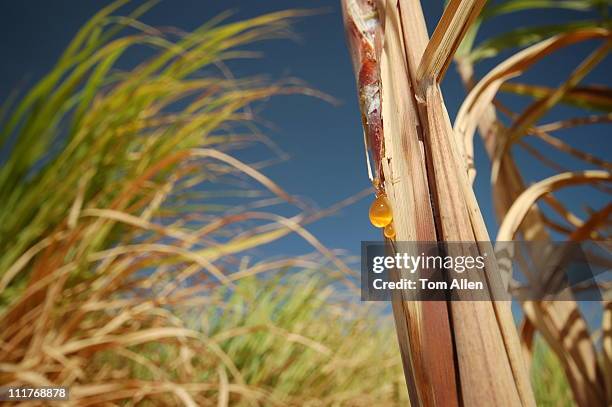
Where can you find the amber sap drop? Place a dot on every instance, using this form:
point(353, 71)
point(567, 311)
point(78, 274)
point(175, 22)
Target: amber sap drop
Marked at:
point(380, 212)
point(389, 231)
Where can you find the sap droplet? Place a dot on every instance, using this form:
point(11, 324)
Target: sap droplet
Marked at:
point(380, 212)
point(389, 231)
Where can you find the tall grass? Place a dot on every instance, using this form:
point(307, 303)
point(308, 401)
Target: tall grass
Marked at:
point(126, 226)
point(549, 383)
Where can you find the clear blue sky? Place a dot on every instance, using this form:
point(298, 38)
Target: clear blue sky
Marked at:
point(323, 141)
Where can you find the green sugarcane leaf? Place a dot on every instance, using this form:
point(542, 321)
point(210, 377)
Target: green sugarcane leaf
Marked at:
point(521, 5)
point(525, 36)
point(492, 10)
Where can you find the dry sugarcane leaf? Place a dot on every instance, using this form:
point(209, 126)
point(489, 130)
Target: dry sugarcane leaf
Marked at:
point(516, 214)
point(566, 214)
point(560, 319)
point(546, 316)
point(527, 333)
point(506, 190)
point(595, 221)
point(541, 106)
point(567, 148)
point(565, 332)
point(481, 96)
point(576, 121)
point(555, 256)
point(510, 186)
point(586, 97)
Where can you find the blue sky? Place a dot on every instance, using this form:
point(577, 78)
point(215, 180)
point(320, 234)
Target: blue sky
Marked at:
point(324, 141)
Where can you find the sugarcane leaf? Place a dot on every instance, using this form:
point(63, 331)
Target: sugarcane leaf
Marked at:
point(587, 97)
point(523, 37)
point(487, 88)
point(494, 10)
point(515, 216)
point(521, 5)
point(540, 107)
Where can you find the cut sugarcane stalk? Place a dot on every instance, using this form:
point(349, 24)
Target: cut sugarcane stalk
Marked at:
point(459, 353)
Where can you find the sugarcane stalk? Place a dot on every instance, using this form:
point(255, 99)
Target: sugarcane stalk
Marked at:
point(454, 353)
point(413, 216)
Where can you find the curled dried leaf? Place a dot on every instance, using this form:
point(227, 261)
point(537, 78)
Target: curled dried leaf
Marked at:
point(515, 216)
